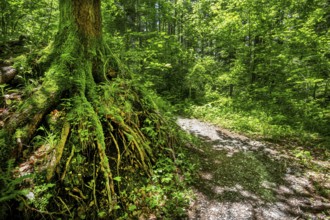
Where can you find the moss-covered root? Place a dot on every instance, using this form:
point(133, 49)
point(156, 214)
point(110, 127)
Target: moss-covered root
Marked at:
point(83, 110)
point(59, 149)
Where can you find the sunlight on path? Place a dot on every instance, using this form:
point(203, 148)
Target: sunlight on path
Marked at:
point(244, 179)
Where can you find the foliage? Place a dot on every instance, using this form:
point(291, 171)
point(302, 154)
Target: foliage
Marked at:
point(10, 189)
point(270, 58)
point(269, 121)
point(303, 155)
point(164, 195)
point(36, 19)
point(40, 196)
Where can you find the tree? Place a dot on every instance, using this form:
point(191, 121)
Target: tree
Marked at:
point(100, 125)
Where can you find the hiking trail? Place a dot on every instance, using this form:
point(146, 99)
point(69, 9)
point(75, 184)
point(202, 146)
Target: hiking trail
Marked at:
point(240, 178)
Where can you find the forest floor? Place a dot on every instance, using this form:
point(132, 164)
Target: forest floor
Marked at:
point(240, 178)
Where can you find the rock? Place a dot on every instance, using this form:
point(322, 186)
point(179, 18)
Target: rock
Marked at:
point(7, 73)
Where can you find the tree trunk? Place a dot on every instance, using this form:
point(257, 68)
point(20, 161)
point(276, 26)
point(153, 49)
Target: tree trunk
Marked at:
point(76, 45)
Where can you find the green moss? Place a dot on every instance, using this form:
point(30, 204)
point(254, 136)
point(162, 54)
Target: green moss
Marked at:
point(45, 55)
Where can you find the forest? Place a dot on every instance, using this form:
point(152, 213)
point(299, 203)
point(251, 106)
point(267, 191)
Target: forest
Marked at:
point(164, 109)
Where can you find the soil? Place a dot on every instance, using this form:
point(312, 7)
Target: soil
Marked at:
point(240, 178)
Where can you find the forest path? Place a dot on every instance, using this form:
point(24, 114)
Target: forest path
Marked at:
point(241, 178)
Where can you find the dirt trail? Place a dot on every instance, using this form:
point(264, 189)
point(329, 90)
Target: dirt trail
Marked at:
point(244, 179)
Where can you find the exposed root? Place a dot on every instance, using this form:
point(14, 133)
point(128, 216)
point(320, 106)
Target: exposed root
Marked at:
point(59, 150)
point(67, 164)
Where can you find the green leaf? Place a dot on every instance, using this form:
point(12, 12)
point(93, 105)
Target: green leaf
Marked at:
point(117, 178)
point(8, 101)
point(132, 208)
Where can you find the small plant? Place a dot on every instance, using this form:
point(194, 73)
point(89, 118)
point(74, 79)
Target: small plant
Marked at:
point(304, 156)
point(39, 197)
point(2, 89)
point(3, 100)
point(46, 138)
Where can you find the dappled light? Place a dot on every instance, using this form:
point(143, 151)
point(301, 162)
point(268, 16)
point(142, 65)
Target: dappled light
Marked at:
point(247, 179)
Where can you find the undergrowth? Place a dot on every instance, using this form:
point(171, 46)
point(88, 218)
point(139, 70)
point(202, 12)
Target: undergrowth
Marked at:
point(10, 189)
point(164, 195)
point(268, 121)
